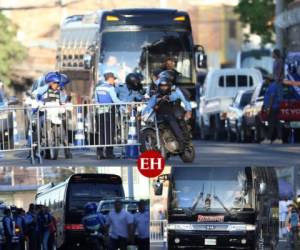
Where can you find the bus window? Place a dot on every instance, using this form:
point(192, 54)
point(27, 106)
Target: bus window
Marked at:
point(231, 81)
point(132, 54)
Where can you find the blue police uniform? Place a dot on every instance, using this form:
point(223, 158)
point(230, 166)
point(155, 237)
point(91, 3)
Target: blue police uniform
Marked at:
point(127, 95)
point(168, 110)
point(105, 93)
point(93, 221)
point(175, 95)
point(8, 231)
point(142, 225)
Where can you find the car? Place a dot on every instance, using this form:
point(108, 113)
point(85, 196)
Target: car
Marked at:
point(6, 121)
point(235, 114)
point(254, 121)
point(130, 205)
point(220, 87)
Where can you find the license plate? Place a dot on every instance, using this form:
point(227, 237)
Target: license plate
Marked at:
point(295, 124)
point(210, 242)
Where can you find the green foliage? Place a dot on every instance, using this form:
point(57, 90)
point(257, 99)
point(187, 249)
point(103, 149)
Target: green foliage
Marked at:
point(11, 51)
point(259, 15)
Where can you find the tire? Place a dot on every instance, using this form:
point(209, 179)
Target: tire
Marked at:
point(229, 134)
point(148, 140)
point(53, 152)
point(203, 134)
point(258, 132)
point(188, 156)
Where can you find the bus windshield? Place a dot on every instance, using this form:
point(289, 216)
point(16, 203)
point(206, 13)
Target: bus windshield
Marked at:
point(81, 193)
point(123, 52)
point(210, 189)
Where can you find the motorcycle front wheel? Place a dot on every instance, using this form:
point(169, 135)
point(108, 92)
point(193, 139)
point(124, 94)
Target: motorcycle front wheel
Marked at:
point(188, 155)
point(148, 140)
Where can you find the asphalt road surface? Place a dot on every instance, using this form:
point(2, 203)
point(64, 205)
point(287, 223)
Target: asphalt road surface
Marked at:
point(208, 153)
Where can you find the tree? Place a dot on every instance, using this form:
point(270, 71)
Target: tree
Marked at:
point(11, 51)
point(259, 15)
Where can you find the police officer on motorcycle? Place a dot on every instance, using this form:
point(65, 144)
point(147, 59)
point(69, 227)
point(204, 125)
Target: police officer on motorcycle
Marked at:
point(132, 90)
point(53, 91)
point(94, 224)
point(164, 103)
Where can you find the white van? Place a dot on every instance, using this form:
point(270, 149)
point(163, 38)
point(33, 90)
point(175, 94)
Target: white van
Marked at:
point(220, 87)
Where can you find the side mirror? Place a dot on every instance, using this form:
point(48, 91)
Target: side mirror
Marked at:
point(200, 57)
point(262, 188)
point(87, 61)
point(12, 100)
point(158, 188)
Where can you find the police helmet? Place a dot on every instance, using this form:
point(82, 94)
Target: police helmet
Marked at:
point(57, 77)
point(164, 81)
point(170, 74)
point(133, 81)
point(90, 207)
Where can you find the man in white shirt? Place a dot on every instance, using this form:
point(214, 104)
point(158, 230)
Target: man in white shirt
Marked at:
point(142, 225)
point(120, 224)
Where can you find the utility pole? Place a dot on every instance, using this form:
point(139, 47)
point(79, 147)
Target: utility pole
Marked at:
point(280, 41)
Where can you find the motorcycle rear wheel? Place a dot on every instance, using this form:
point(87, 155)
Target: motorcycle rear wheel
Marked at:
point(188, 155)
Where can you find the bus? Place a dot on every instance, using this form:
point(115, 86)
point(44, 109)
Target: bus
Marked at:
point(219, 208)
point(66, 201)
point(124, 41)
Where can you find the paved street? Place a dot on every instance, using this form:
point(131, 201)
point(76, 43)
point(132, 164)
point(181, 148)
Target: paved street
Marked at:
point(208, 153)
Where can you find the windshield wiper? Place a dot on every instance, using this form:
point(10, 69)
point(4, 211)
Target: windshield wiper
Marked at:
point(222, 204)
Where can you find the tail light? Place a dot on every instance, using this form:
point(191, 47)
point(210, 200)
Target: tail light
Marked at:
point(74, 227)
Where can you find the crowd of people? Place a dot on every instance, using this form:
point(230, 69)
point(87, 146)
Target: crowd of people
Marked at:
point(36, 229)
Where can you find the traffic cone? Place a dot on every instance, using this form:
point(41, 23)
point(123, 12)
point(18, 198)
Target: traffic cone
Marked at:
point(15, 131)
point(132, 148)
point(79, 136)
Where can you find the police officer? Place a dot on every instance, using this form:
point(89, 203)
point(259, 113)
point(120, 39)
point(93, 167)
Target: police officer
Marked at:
point(20, 222)
point(93, 222)
point(8, 228)
point(31, 227)
point(105, 93)
point(53, 91)
point(141, 223)
point(54, 88)
point(120, 224)
point(132, 90)
point(164, 104)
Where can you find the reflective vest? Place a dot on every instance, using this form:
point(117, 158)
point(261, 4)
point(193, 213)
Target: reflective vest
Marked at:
point(102, 93)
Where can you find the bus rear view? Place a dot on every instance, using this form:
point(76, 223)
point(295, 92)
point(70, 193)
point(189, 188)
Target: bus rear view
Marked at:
point(66, 202)
point(220, 208)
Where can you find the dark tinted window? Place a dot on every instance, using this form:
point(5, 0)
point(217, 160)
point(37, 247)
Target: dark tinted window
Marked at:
point(246, 98)
point(242, 81)
point(81, 193)
point(221, 81)
point(230, 81)
point(263, 90)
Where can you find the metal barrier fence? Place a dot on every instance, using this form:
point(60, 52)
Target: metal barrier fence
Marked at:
point(158, 231)
point(86, 126)
point(15, 129)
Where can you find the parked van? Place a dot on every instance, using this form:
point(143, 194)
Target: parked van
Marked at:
point(219, 89)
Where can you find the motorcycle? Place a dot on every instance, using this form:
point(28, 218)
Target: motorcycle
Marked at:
point(53, 131)
point(157, 135)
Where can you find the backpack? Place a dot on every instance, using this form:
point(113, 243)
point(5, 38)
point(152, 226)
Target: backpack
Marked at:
point(294, 220)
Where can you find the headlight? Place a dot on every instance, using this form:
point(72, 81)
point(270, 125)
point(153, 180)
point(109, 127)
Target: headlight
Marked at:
point(193, 104)
point(241, 228)
point(183, 227)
